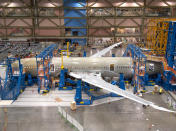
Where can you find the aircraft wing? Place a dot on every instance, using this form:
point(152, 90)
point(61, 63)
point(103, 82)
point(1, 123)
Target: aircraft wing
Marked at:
point(97, 81)
point(104, 51)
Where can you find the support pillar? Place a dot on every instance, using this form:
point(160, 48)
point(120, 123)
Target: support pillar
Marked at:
point(122, 83)
point(78, 96)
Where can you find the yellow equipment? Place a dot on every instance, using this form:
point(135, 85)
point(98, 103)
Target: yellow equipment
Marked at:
point(160, 91)
point(62, 62)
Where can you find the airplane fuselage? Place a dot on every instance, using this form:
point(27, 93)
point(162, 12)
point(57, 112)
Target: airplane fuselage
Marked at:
point(107, 66)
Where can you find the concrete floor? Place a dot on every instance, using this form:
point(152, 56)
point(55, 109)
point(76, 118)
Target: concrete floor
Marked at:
point(126, 115)
point(31, 98)
point(32, 119)
point(122, 115)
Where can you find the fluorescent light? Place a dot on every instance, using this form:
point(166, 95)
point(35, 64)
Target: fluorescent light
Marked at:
point(171, 3)
point(162, 4)
point(129, 4)
point(12, 4)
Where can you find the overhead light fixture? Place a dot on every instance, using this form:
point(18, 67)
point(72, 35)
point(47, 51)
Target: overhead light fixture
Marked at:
point(13, 4)
point(49, 5)
point(97, 5)
point(129, 4)
point(171, 3)
point(162, 4)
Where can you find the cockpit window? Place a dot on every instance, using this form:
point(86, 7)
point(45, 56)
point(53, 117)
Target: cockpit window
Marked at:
point(111, 67)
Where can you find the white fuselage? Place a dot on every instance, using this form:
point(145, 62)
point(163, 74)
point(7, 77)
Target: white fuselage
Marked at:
point(107, 66)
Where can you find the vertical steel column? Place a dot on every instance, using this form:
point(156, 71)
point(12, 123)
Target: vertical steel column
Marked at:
point(171, 45)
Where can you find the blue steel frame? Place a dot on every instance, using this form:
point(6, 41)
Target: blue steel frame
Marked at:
point(171, 45)
point(13, 84)
point(138, 56)
point(170, 54)
point(47, 54)
point(64, 80)
point(83, 86)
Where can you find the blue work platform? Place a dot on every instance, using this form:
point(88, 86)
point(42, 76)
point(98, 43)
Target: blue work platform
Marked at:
point(171, 45)
point(169, 75)
point(43, 68)
point(139, 66)
point(83, 86)
point(14, 82)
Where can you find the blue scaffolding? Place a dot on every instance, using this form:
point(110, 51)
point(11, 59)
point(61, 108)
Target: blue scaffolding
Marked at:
point(171, 45)
point(139, 66)
point(169, 74)
point(14, 82)
point(43, 68)
point(83, 86)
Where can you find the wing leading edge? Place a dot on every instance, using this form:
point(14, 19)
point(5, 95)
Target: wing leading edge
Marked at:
point(104, 51)
point(97, 81)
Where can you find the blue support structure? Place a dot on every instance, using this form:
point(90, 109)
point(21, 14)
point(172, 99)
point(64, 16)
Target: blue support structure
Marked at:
point(166, 82)
point(43, 68)
point(14, 82)
point(30, 80)
point(77, 26)
point(122, 83)
point(139, 65)
point(87, 89)
point(171, 45)
point(169, 74)
point(78, 95)
point(84, 54)
point(113, 55)
point(158, 79)
point(83, 86)
point(0, 87)
point(63, 80)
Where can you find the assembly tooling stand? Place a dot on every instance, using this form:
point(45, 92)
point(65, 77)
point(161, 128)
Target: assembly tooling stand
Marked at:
point(80, 86)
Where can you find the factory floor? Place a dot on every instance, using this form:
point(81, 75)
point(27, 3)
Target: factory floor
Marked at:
point(126, 115)
point(32, 119)
point(122, 115)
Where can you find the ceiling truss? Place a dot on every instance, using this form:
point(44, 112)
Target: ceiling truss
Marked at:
point(34, 20)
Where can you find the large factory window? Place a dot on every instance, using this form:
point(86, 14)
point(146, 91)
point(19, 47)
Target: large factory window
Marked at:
point(111, 67)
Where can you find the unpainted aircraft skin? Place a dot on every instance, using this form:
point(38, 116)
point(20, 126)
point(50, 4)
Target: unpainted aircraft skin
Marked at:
point(107, 66)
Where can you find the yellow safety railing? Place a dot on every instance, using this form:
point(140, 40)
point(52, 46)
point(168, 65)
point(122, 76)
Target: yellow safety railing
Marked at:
point(68, 53)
